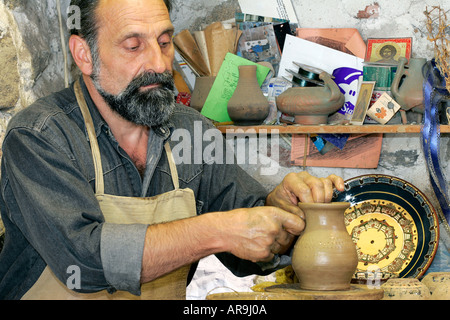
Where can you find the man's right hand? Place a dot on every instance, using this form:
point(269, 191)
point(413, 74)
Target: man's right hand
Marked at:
point(256, 234)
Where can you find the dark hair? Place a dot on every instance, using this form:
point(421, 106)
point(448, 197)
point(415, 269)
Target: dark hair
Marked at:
point(88, 20)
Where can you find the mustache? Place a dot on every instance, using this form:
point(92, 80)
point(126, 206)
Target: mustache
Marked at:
point(165, 80)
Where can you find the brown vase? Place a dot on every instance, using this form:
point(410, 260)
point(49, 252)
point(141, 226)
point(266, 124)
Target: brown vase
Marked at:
point(248, 105)
point(324, 257)
point(407, 86)
point(201, 91)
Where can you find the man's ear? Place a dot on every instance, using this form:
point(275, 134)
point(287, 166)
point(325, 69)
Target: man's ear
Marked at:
point(81, 54)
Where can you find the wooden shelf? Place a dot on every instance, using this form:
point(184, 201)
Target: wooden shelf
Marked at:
point(305, 129)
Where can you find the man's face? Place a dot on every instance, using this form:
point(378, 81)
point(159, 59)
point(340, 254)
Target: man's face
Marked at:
point(134, 69)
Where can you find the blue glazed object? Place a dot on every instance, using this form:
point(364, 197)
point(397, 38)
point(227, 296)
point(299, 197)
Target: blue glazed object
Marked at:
point(393, 225)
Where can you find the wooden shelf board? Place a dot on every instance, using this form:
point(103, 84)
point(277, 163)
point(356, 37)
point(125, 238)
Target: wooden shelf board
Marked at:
point(305, 129)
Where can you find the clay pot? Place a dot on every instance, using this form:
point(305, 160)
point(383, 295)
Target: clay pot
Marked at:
point(324, 257)
point(433, 279)
point(201, 91)
point(248, 105)
point(312, 105)
point(405, 289)
point(407, 86)
point(442, 291)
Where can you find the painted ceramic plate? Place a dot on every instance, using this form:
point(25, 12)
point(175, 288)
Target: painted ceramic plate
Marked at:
point(394, 226)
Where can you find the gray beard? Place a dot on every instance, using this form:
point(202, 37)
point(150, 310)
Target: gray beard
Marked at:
point(151, 108)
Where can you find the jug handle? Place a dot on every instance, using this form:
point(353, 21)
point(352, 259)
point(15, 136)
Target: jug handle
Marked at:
point(398, 76)
point(331, 85)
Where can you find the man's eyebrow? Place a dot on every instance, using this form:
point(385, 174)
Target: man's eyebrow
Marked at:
point(143, 35)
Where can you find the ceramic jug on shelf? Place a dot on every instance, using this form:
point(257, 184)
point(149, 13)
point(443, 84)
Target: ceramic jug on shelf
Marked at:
point(407, 86)
point(312, 105)
point(248, 105)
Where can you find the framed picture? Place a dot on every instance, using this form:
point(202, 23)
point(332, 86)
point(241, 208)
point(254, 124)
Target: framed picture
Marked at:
point(364, 98)
point(388, 51)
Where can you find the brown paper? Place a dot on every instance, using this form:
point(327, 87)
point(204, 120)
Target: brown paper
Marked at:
point(347, 40)
point(189, 50)
point(220, 41)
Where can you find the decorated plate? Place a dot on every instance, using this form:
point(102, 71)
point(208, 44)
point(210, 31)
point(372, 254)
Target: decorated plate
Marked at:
point(394, 226)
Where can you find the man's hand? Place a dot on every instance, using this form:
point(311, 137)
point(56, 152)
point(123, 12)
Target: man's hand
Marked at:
point(256, 234)
point(303, 187)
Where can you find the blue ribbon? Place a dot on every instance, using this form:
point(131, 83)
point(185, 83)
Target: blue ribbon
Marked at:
point(434, 93)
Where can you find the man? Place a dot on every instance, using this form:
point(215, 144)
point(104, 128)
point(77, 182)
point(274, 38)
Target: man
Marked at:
point(82, 168)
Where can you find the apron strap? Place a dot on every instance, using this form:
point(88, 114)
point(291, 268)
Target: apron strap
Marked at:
point(172, 165)
point(99, 183)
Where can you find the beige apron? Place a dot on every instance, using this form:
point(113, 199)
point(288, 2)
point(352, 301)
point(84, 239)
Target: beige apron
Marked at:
point(171, 206)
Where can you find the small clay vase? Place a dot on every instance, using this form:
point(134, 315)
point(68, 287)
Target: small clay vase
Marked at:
point(312, 105)
point(407, 86)
point(324, 257)
point(405, 289)
point(201, 91)
point(248, 105)
point(434, 279)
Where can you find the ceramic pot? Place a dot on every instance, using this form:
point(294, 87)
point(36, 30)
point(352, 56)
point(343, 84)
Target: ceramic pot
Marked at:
point(442, 291)
point(201, 91)
point(324, 257)
point(433, 279)
point(312, 105)
point(407, 86)
point(405, 289)
point(248, 105)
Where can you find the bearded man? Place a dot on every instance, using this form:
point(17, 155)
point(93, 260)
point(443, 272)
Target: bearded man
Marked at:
point(93, 203)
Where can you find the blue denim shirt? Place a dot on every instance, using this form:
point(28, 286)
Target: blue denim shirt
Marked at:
point(48, 202)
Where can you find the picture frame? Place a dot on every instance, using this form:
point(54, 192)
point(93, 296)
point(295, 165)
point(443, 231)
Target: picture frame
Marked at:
point(387, 51)
point(363, 102)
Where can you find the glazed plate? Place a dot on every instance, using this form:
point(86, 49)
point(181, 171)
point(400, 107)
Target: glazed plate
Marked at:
point(394, 226)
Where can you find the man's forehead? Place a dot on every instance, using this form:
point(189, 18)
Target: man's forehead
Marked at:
point(128, 14)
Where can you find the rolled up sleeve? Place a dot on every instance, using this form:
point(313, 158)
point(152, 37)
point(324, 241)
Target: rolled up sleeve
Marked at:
point(122, 247)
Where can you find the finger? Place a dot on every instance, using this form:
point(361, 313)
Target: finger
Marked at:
point(327, 190)
point(297, 185)
point(290, 223)
point(338, 182)
point(275, 248)
point(285, 239)
point(289, 207)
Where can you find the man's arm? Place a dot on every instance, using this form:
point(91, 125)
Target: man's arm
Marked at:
point(254, 234)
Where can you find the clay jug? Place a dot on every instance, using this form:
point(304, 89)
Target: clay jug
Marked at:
point(407, 86)
point(201, 91)
point(248, 105)
point(312, 105)
point(324, 257)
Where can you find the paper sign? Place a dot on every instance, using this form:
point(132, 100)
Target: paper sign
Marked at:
point(216, 105)
point(345, 67)
point(281, 9)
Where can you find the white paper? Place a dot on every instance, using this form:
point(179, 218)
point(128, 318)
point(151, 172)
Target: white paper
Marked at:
point(281, 9)
point(320, 57)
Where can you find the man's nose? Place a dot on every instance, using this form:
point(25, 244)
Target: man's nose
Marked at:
point(155, 60)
